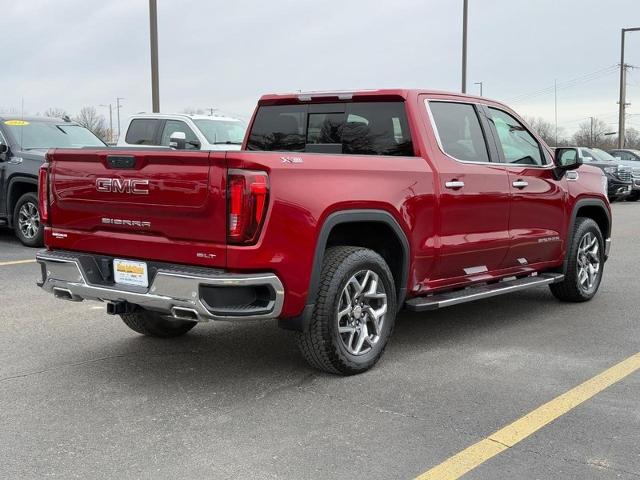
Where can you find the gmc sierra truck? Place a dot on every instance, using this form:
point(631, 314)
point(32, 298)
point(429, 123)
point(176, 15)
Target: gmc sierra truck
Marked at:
point(340, 210)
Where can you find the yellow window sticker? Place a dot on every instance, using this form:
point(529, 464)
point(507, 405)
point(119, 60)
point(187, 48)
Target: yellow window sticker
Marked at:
point(16, 123)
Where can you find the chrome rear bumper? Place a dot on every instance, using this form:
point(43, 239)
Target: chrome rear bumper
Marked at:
point(174, 291)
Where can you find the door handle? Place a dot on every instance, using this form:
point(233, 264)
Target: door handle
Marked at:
point(454, 184)
point(520, 184)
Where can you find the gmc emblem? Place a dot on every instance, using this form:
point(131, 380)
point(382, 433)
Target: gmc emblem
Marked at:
point(126, 185)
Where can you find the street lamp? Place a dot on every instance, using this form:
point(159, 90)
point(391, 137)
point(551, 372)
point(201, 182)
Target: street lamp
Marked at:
point(118, 106)
point(153, 41)
point(623, 88)
point(465, 5)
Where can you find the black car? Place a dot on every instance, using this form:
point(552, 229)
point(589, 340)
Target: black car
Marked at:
point(630, 158)
point(619, 177)
point(23, 145)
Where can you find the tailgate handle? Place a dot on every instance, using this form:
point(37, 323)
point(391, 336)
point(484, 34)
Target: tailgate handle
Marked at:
point(121, 161)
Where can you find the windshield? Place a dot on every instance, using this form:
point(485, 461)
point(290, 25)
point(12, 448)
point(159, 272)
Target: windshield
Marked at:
point(597, 155)
point(32, 135)
point(222, 131)
point(602, 155)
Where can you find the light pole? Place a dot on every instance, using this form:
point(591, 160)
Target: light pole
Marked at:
point(118, 106)
point(153, 37)
point(465, 8)
point(479, 83)
point(110, 121)
point(623, 87)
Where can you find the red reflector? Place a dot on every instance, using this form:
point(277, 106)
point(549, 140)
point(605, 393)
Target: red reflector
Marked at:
point(248, 193)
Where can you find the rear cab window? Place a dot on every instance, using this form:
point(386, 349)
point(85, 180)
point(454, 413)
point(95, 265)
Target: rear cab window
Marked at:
point(357, 128)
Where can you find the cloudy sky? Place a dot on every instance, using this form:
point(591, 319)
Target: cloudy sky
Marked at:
point(225, 54)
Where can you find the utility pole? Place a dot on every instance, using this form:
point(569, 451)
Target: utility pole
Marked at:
point(591, 135)
point(118, 113)
point(479, 83)
point(153, 34)
point(465, 7)
point(623, 88)
point(555, 106)
point(110, 121)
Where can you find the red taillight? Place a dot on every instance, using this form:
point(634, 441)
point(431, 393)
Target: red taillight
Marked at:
point(43, 192)
point(248, 193)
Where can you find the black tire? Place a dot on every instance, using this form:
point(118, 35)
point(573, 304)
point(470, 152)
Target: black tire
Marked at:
point(30, 235)
point(153, 324)
point(320, 343)
point(571, 289)
point(633, 197)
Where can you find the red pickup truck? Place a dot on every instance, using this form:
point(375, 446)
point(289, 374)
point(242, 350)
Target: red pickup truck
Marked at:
point(340, 210)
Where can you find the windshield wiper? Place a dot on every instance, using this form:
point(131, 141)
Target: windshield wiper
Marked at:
point(228, 142)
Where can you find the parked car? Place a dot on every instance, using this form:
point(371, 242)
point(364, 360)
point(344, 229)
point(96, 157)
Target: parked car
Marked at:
point(199, 132)
point(630, 158)
point(619, 176)
point(23, 144)
point(342, 209)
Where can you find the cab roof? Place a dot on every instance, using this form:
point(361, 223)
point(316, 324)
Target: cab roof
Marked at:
point(346, 95)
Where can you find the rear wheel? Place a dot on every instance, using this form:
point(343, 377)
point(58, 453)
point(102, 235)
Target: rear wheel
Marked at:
point(153, 324)
point(354, 313)
point(585, 263)
point(26, 221)
point(633, 197)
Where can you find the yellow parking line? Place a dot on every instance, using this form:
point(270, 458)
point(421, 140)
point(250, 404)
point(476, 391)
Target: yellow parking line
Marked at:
point(17, 262)
point(507, 437)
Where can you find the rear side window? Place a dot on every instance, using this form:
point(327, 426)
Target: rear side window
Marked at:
point(363, 128)
point(142, 131)
point(459, 131)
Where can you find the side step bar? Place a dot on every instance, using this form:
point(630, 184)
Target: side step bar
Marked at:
point(446, 299)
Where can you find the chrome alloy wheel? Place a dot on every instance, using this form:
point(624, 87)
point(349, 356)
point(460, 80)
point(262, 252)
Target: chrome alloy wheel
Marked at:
point(361, 312)
point(588, 262)
point(29, 220)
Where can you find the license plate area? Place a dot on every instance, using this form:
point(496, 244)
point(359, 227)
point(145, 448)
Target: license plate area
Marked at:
point(129, 272)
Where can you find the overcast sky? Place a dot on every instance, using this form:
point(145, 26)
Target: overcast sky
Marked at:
point(225, 54)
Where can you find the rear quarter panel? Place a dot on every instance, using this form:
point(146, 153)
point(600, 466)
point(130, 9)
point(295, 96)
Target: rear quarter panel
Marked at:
point(304, 194)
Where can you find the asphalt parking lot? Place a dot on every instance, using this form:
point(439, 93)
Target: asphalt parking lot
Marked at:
point(82, 396)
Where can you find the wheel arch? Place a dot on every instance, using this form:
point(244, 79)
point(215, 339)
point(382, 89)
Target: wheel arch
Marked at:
point(18, 186)
point(337, 227)
point(593, 208)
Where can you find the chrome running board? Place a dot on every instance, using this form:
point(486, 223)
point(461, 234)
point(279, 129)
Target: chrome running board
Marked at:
point(469, 294)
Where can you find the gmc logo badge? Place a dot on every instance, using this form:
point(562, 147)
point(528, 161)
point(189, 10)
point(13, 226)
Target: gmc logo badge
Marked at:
point(126, 185)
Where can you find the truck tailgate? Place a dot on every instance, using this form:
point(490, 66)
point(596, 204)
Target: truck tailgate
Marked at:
point(151, 204)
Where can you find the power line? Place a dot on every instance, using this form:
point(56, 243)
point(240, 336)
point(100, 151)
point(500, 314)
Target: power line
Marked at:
point(582, 79)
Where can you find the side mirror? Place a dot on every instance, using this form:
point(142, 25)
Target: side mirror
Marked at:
point(177, 140)
point(566, 159)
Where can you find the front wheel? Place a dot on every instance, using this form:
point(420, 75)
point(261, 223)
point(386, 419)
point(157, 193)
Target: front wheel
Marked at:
point(633, 197)
point(26, 221)
point(153, 324)
point(584, 265)
point(354, 312)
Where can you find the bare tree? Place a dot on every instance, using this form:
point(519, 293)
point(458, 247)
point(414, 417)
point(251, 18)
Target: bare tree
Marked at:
point(90, 119)
point(632, 138)
point(55, 112)
point(592, 134)
point(546, 130)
